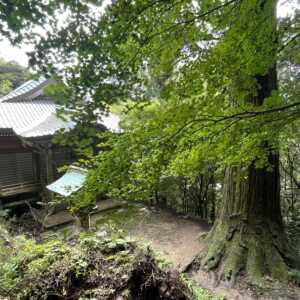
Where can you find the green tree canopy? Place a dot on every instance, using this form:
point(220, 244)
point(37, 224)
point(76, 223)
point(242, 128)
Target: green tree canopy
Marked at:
point(12, 75)
point(199, 60)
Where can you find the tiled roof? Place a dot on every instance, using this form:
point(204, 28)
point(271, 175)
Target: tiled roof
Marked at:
point(48, 127)
point(6, 132)
point(27, 90)
point(27, 112)
point(31, 118)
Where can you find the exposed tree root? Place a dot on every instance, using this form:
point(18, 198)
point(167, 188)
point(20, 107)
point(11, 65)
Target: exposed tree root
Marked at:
point(257, 252)
point(93, 268)
point(148, 282)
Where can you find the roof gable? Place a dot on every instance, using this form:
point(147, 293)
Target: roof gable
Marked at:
point(25, 111)
point(27, 91)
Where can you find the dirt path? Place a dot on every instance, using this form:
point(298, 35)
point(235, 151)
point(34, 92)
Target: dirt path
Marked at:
point(175, 237)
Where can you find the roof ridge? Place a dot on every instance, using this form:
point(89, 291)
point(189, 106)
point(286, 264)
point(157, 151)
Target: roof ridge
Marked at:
point(25, 90)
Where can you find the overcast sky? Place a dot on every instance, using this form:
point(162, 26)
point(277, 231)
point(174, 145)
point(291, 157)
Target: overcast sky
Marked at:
point(18, 54)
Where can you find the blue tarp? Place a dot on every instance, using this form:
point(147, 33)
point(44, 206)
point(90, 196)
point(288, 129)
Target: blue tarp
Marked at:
point(69, 183)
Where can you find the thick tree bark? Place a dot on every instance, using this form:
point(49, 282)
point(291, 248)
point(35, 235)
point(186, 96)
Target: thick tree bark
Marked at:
point(248, 236)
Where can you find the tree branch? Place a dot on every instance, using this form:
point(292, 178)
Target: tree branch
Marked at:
point(238, 117)
point(291, 40)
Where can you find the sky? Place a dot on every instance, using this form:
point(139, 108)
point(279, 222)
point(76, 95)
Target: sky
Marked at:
point(18, 54)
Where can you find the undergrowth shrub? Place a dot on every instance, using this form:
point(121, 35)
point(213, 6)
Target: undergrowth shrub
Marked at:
point(102, 265)
point(31, 270)
point(89, 267)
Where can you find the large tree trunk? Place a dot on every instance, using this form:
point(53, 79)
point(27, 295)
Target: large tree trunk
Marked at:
point(248, 236)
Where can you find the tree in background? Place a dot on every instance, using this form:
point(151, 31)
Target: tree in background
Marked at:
point(12, 75)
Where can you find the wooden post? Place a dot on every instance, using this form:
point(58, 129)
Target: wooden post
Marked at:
point(46, 174)
point(49, 165)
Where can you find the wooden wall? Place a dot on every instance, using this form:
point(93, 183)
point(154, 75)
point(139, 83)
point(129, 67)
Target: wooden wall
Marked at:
point(17, 168)
point(26, 169)
point(10, 144)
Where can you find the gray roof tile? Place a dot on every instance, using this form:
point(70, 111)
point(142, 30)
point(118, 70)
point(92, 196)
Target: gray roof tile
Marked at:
point(26, 112)
point(25, 91)
point(31, 118)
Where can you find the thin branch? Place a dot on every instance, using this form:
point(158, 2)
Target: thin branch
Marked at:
point(192, 20)
point(238, 116)
point(291, 40)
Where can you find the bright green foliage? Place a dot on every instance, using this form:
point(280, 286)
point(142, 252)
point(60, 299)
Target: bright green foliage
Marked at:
point(124, 219)
point(154, 147)
point(58, 91)
point(81, 202)
point(36, 258)
point(83, 137)
point(33, 269)
point(20, 18)
point(5, 87)
point(295, 276)
point(197, 64)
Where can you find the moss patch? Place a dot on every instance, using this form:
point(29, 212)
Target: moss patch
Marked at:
point(122, 218)
point(89, 268)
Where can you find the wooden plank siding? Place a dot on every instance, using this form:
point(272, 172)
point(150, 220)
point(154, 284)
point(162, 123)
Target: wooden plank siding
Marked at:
point(18, 173)
point(27, 166)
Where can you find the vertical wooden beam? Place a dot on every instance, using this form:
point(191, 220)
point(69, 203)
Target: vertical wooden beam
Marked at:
point(36, 167)
point(49, 165)
point(46, 171)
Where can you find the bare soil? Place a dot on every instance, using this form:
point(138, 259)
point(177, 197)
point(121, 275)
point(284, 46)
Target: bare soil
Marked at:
point(179, 239)
point(175, 237)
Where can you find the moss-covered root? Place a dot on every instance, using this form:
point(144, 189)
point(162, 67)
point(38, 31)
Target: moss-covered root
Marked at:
point(255, 252)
